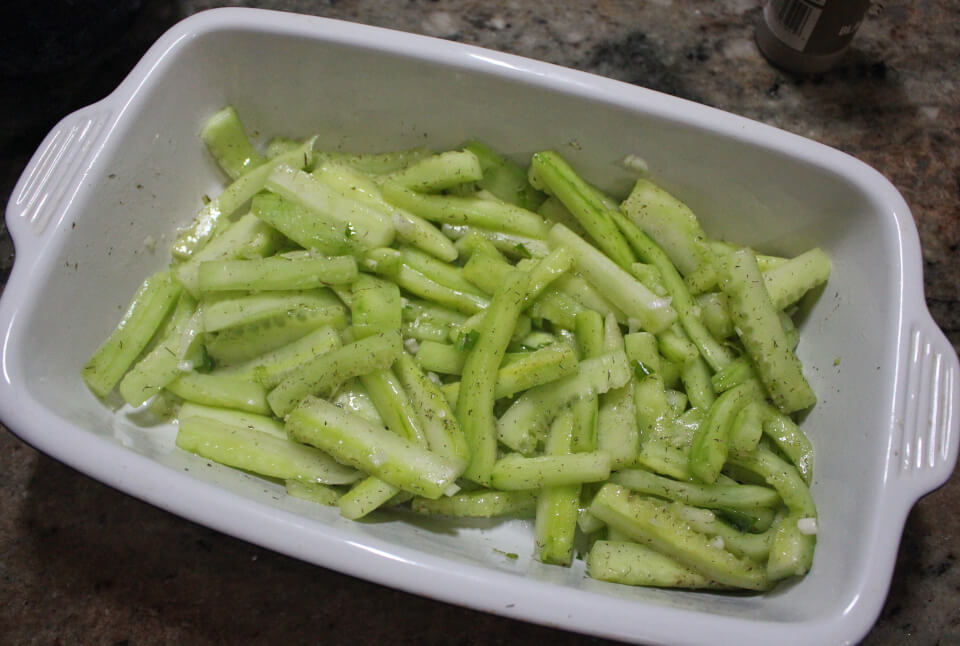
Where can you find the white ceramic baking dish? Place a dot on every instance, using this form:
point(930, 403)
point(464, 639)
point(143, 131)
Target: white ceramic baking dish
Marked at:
point(130, 169)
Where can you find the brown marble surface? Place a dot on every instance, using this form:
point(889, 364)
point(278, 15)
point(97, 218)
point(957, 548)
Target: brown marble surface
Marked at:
point(81, 563)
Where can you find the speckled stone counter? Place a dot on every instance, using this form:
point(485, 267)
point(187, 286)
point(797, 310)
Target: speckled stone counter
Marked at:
point(81, 563)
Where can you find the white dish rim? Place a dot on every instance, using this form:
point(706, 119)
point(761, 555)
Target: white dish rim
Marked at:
point(412, 570)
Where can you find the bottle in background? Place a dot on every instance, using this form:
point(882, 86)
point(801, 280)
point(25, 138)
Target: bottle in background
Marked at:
point(808, 36)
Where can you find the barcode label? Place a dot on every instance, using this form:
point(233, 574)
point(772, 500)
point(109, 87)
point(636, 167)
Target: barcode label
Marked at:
point(793, 20)
point(793, 16)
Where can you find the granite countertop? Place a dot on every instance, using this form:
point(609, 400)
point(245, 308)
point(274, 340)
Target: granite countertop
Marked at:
point(82, 563)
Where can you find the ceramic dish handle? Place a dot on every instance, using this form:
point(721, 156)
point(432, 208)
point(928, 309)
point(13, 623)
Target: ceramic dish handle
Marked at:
point(924, 450)
point(53, 176)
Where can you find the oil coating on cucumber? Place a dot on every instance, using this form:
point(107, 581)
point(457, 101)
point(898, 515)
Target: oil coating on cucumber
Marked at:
point(462, 335)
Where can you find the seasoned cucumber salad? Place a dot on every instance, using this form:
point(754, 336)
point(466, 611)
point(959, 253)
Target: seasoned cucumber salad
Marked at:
point(453, 334)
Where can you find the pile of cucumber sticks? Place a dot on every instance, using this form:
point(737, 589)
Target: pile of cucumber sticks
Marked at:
point(454, 334)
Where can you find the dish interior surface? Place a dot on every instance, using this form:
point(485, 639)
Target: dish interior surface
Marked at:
point(150, 176)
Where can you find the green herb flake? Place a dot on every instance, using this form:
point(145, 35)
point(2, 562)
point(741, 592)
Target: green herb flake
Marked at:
point(468, 340)
point(522, 250)
point(641, 369)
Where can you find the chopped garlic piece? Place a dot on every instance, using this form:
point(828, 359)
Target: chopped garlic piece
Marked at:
point(701, 515)
point(807, 526)
point(635, 163)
